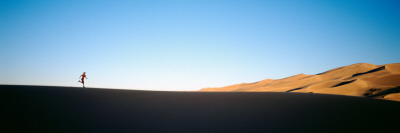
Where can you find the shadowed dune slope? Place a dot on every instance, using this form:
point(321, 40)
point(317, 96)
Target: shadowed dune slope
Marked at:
point(362, 79)
point(65, 109)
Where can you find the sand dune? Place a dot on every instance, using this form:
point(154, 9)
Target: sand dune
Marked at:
point(362, 79)
point(31, 109)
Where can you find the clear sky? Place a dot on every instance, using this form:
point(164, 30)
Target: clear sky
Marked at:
point(189, 44)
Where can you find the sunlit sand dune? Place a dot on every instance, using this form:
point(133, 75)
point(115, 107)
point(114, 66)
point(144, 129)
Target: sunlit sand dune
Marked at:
point(362, 79)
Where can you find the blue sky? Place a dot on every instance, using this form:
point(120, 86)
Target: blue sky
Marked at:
point(189, 44)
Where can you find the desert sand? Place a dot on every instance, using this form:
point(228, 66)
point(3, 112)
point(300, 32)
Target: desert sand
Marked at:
point(67, 109)
point(362, 79)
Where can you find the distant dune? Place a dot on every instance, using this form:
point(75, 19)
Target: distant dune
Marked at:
point(362, 79)
point(40, 109)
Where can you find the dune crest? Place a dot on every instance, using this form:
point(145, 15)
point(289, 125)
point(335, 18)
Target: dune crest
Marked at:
point(361, 79)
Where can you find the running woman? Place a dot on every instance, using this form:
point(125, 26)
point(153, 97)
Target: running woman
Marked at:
point(83, 76)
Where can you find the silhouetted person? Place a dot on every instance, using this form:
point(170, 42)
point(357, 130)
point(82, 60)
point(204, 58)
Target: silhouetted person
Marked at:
point(83, 76)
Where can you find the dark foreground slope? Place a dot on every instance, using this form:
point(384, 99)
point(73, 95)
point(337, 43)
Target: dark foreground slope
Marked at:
point(64, 109)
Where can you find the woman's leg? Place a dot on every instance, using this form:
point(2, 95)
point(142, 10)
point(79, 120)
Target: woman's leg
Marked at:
point(83, 82)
